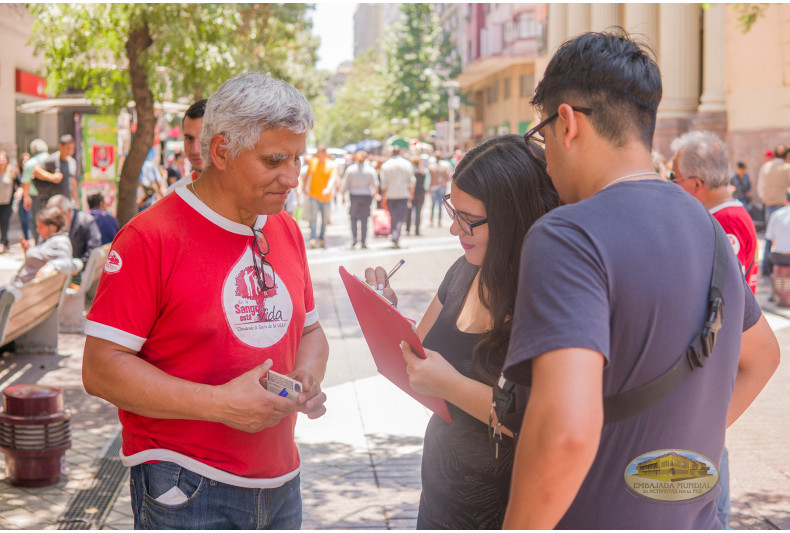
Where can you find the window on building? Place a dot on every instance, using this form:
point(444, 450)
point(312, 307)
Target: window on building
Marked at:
point(527, 28)
point(492, 95)
point(507, 89)
point(526, 85)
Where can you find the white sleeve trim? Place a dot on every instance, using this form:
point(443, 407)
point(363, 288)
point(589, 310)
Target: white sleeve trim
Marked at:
point(118, 336)
point(311, 317)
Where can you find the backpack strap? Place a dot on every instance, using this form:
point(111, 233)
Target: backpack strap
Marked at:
point(627, 404)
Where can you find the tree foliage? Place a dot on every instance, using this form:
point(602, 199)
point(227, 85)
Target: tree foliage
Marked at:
point(119, 53)
point(418, 61)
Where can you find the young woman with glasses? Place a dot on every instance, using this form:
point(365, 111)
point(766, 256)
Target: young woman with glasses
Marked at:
point(498, 191)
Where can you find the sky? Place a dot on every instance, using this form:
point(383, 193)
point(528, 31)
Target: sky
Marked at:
point(334, 24)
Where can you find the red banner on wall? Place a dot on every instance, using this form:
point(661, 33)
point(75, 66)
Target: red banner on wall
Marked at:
point(31, 84)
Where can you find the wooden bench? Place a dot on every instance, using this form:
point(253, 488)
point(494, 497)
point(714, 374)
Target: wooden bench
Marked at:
point(72, 310)
point(28, 314)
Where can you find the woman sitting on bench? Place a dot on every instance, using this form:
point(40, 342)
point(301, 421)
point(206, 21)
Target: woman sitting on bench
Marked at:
point(54, 249)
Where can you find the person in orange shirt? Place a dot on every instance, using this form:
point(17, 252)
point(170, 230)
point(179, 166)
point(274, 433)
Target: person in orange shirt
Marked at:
point(318, 184)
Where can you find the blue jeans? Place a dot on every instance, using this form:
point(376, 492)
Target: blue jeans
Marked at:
point(210, 504)
point(723, 499)
point(315, 208)
point(24, 219)
point(436, 202)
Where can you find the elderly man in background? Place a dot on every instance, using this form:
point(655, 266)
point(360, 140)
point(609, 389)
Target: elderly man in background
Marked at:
point(700, 166)
point(202, 295)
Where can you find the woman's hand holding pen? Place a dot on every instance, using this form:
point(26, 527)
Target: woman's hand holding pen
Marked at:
point(377, 278)
point(433, 375)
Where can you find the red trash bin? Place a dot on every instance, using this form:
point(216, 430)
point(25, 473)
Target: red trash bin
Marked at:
point(35, 432)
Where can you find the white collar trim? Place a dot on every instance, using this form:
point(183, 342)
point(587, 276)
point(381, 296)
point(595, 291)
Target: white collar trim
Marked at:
point(725, 205)
point(212, 216)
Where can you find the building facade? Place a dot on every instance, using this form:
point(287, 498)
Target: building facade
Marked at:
point(499, 51)
point(715, 76)
point(371, 22)
point(20, 84)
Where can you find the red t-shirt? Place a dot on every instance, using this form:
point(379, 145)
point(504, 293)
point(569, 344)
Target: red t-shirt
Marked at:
point(739, 228)
point(179, 288)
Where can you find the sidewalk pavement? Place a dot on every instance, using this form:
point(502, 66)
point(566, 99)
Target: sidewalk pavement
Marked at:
point(361, 461)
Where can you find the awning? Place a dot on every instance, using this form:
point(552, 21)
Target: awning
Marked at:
point(52, 104)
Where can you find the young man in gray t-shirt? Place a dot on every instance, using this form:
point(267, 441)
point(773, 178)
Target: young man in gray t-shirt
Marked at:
point(613, 287)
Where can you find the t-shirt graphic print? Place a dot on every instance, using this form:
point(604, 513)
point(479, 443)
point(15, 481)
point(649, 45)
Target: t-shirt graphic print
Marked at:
point(258, 318)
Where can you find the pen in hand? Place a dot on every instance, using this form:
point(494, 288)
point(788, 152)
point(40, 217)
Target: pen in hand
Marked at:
point(394, 269)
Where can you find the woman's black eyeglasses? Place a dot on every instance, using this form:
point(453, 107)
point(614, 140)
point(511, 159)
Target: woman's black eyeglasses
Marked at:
point(537, 138)
point(263, 271)
point(466, 226)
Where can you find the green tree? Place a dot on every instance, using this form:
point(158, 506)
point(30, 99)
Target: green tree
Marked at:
point(119, 53)
point(418, 61)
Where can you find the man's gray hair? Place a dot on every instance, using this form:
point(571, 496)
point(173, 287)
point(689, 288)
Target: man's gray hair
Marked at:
point(37, 146)
point(247, 105)
point(702, 155)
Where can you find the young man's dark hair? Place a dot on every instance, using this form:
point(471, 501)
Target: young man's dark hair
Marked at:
point(196, 110)
point(613, 76)
point(95, 200)
point(741, 164)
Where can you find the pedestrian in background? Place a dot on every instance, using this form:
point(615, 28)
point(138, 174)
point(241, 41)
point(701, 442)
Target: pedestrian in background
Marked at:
point(700, 167)
point(22, 212)
point(778, 232)
point(181, 337)
point(191, 126)
point(397, 187)
point(773, 181)
point(58, 173)
point(498, 192)
point(360, 182)
point(440, 170)
point(82, 229)
point(318, 186)
point(741, 185)
point(422, 181)
point(39, 153)
point(53, 250)
point(108, 224)
point(613, 286)
point(7, 186)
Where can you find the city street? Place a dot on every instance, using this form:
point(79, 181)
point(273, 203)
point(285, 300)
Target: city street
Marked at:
point(361, 461)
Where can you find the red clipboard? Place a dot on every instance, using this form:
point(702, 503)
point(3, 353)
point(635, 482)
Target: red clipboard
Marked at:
point(384, 328)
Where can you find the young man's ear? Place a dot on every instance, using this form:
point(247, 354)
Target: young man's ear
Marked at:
point(567, 125)
point(218, 153)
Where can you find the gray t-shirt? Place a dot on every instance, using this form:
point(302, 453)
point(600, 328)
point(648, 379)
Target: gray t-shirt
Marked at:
point(627, 273)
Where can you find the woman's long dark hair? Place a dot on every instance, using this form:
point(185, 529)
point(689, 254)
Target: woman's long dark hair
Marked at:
point(516, 191)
